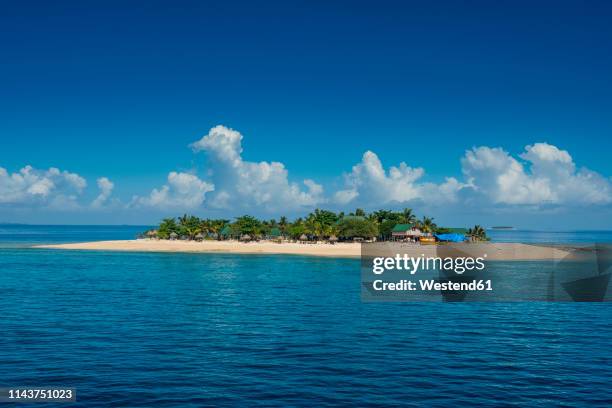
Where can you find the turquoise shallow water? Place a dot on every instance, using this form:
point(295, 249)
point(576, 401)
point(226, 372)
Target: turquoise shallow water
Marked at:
point(129, 329)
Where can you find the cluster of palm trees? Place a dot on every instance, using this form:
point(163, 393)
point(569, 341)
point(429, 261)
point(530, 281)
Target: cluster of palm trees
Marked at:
point(318, 225)
point(190, 226)
point(478, 233)
point(386, 220)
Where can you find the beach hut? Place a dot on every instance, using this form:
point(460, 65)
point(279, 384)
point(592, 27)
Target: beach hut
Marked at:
point(333, 239)
point(199, 236)
point(151, 234)
point(405, 231)
point(245, 237)
point(173, 236)
point(303, 238)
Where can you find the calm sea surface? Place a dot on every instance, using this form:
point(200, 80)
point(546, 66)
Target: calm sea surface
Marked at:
point(135, 329)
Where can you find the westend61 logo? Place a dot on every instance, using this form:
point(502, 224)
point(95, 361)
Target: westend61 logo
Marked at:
point(485, 272)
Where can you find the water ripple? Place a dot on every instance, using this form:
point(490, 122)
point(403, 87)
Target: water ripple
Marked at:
point(223, 330)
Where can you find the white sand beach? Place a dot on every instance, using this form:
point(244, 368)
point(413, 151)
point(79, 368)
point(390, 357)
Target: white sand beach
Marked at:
point(230, 247)
point(494, 251)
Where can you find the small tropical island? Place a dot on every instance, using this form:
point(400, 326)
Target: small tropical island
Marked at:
point(321, 233)
point(320, 226)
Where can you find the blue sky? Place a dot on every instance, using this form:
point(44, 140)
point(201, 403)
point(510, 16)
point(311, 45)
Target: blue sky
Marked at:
point(109, 89)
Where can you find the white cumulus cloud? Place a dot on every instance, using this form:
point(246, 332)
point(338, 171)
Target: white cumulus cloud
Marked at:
point(106, 189)
point(30, 186)
point(244, 184)
point(369, 183)
point(182, 191)
point(549, 176)
point(542, 175)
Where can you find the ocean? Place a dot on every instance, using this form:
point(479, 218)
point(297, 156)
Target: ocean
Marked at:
point(191, 330)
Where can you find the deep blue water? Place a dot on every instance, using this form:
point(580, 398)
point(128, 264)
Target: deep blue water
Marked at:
point(549, 236)
point(131, 329)
point(21, 235)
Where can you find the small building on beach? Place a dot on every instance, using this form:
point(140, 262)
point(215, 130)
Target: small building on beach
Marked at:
point(405, 231)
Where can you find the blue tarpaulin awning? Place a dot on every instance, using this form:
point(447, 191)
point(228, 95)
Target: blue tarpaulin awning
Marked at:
point(451, 237)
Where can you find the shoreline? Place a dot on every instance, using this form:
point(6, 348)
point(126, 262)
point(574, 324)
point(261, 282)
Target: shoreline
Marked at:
point(338, 250)
point(494, 251)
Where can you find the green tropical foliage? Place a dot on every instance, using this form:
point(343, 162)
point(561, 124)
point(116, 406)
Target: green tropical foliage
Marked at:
point(296, 229)
point(167, 227)
point(189, 226)
point(478, 233)
point(354, 227)
point(248, 225)
point(427, 225)
point(320, 224)
point(407, 216)
point(282, 224)
point(359, 212)
point(386, 220)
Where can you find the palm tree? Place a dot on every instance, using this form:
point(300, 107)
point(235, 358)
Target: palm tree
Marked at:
point(478, 232)
point(296, 229)
point(313, 227)
point(382, 215)
point(167, 227)
point(372, 218)
point(359, 212)
point(189, 225)
point(265, 226)
point(427, 225)
point(318, 222)
point(248, 225)
point(407, 216)
point(283, 224)
point(331, 230)
point(206, 226)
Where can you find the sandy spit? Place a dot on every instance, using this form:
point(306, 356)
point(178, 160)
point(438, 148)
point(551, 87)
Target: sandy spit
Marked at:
point(494, 251)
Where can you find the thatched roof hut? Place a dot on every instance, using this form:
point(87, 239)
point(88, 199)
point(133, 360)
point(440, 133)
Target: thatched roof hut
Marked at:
point(333, 238)
point(151, 234)
point(199, 236)
point(303, 237)
point(245, 237)
point(173, 236)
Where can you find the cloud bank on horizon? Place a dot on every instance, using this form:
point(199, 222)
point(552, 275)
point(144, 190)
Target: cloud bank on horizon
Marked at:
point(543, 175)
